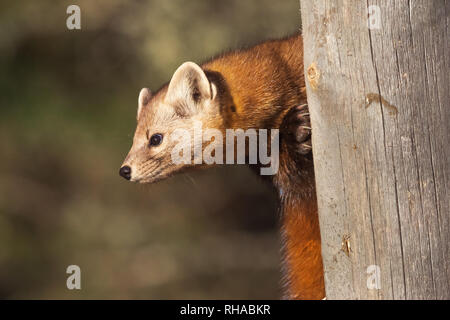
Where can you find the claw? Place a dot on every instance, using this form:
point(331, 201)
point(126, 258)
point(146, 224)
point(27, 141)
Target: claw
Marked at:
point(298, 129)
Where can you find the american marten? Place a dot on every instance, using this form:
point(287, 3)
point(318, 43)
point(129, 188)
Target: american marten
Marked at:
point(262, 87)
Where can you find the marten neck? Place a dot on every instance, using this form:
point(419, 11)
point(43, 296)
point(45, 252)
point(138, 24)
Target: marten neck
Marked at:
point(257, 86)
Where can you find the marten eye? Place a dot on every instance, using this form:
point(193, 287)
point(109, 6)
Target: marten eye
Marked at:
point(156, 139)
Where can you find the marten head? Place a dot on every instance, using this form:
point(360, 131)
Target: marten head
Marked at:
point(166, 122)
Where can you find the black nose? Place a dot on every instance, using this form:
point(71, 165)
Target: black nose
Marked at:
point(125, 172)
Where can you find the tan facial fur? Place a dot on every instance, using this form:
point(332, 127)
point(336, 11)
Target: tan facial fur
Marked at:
point(189, 97)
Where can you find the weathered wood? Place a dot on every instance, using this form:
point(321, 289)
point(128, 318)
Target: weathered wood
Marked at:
point(379, 101)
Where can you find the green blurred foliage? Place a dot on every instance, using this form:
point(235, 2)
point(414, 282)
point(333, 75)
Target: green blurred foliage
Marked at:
point(67, 115)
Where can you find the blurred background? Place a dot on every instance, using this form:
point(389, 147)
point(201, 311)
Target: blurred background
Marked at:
point(68, 102)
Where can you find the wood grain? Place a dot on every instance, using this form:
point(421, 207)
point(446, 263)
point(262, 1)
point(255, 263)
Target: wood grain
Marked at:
point(379, 101)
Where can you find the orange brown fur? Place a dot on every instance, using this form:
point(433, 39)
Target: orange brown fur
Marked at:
point(263, 81)
point(300, 226)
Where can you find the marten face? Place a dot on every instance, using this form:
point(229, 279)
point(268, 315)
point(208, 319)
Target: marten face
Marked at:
point(166, 123)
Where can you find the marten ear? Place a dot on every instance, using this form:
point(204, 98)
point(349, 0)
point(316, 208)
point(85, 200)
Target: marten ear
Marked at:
point(144, 98)
point(189, 82)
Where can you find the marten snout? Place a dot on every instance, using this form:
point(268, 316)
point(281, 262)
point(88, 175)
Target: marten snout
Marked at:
point(125, 172)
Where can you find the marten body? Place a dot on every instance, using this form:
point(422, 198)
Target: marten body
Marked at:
point(262, 87)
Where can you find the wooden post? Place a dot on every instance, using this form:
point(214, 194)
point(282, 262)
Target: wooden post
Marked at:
point(379, 97)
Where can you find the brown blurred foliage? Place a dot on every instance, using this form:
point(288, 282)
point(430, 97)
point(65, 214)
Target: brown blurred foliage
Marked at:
point(67, 114)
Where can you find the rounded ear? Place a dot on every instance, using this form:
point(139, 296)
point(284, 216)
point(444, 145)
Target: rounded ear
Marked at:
point(189, 82)
point(144, 98)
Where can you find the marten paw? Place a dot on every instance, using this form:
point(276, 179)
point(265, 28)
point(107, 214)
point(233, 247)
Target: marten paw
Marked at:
point(296, 129)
